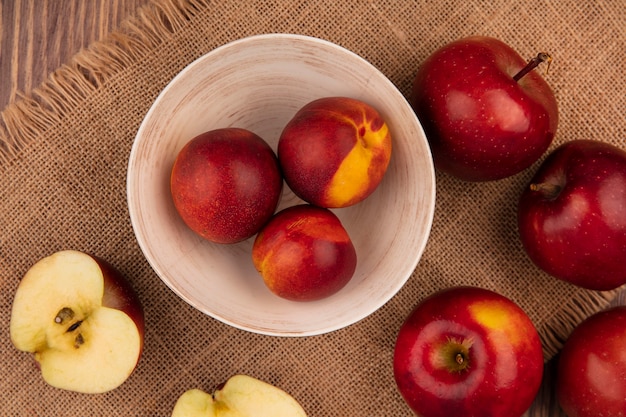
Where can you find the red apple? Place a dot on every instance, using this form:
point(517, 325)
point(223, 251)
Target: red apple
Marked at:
point(486, 115)
point(81, 319)
point(572, 217)
point(226, 184)
point(591, 374)
point(304, 253)
point(468, 351)
point(335, 151)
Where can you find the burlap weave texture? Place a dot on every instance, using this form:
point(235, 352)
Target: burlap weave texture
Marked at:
point(63, 157)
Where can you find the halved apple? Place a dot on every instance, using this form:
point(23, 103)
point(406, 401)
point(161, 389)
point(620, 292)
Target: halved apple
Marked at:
point(81, 319)
point(241, 396)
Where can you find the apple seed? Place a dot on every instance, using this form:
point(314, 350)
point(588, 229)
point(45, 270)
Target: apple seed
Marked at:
point(79, 340)
point(74, 326)
point(65, 313)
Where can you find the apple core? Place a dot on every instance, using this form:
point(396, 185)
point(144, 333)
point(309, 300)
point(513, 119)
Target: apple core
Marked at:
point(65, 313)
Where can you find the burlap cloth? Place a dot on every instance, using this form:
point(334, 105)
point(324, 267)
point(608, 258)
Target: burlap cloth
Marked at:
point(63, 157)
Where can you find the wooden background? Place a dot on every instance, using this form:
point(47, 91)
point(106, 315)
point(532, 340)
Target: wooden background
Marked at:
point(38, 36)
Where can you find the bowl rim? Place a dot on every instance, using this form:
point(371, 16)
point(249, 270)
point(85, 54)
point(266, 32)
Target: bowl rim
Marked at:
point(374, 306)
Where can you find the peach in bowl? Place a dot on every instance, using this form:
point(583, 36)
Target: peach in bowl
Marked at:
point(258, 84)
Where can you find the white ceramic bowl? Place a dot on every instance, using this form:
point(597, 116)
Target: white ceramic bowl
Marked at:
point(258, 83)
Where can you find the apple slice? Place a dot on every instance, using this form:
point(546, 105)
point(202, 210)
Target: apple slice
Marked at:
point(81, 319)
point(241, 396)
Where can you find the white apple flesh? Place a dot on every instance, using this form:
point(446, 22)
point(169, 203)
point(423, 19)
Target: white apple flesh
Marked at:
point(241, 396)
point(81, 320)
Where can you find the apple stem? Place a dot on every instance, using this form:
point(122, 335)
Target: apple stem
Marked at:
point(455, 355)
point(533, 63)
point(547, 190)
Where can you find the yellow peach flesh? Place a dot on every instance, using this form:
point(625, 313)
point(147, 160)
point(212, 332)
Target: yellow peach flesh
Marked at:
point(362, 168)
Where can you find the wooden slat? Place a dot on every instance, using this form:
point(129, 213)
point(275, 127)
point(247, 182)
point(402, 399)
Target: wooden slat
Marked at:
point(38, 36)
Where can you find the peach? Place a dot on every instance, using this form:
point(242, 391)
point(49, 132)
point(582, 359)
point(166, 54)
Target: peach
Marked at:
point(335, 151)
point(226, 184)
point(304, 253)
